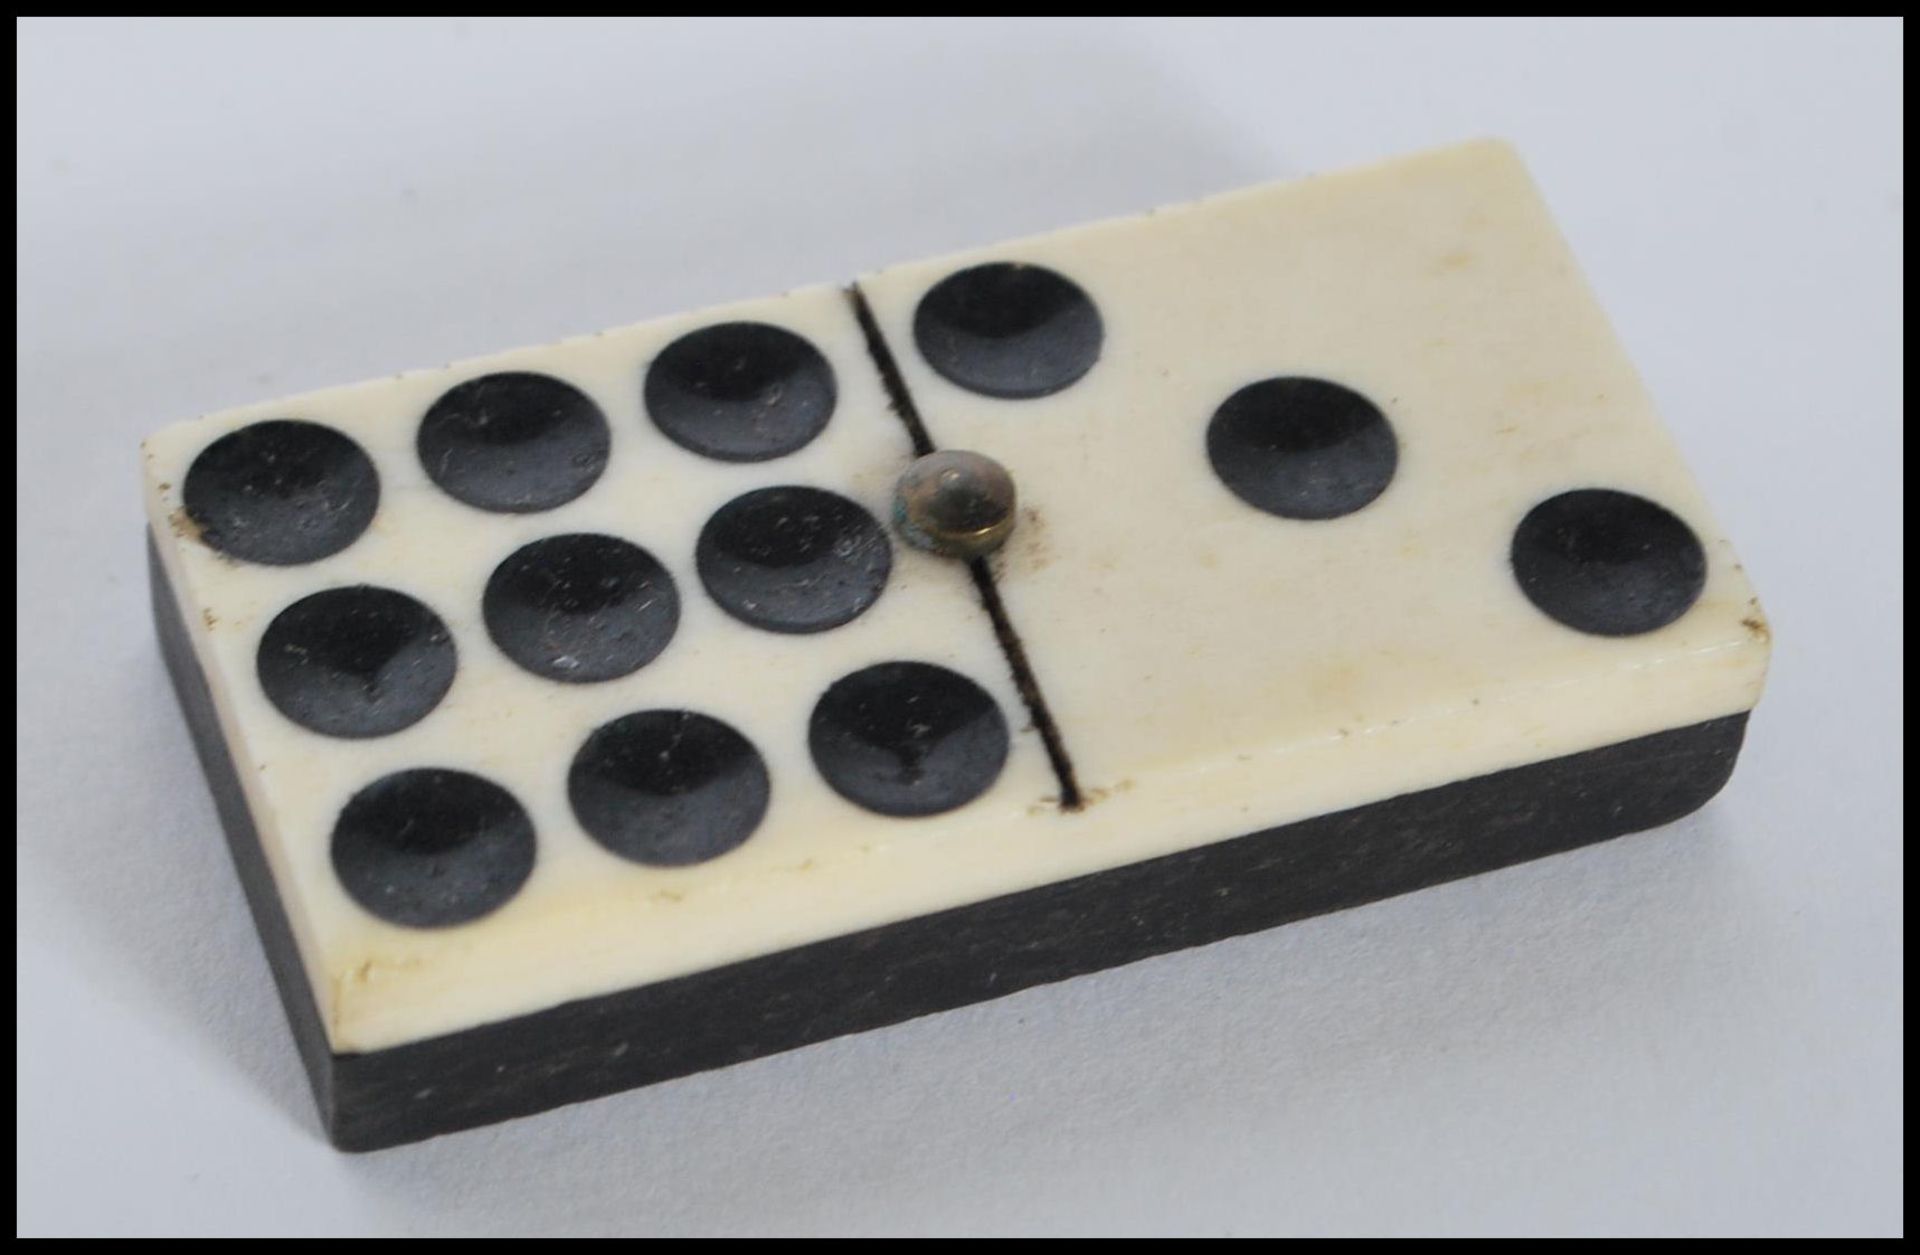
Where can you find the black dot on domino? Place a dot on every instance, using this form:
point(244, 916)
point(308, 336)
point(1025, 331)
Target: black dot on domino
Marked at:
point(668, 788)
point(581, 607)
point(908, 739)
point(793, 559)
point(1608, 563)
point(514, 443)
point(281, 492)
point(1008, 330)
point(356, 662)
point(431, 847)
point(1302, 448)
point(740, 392)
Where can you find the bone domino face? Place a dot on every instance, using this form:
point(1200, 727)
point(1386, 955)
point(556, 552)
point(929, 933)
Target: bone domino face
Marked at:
point(586, 919)
point(1217, 655)
point(613, 611)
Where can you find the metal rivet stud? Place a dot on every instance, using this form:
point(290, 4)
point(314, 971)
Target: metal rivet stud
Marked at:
point(955, 503)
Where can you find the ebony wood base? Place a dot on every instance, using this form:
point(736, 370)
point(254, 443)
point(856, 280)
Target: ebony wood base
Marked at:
point(969, 954)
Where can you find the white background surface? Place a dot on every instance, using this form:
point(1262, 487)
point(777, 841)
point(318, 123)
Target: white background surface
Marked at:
point(1696, 1030)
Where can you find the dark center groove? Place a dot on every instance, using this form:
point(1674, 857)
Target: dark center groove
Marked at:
point(1024, 679)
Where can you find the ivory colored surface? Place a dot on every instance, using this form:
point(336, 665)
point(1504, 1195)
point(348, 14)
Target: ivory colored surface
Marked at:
point(1693, 1031)
point(1212, 670)
point(587, 921)
point(1210, 664)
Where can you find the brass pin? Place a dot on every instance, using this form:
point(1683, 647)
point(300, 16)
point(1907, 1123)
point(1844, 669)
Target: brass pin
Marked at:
point(955, 503)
